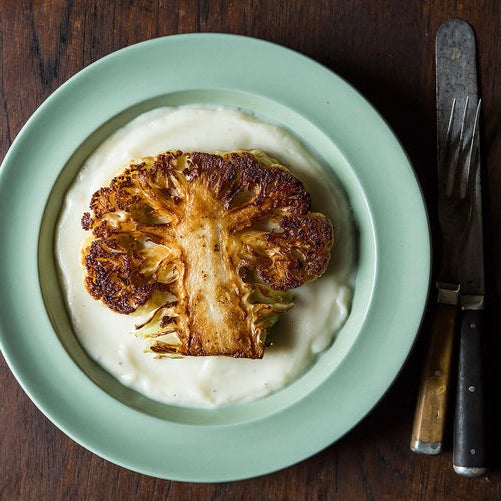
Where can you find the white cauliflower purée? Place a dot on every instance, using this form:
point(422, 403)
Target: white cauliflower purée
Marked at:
point(321, 306)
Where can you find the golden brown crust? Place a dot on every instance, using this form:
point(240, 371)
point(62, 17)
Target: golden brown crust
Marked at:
point(205, 246)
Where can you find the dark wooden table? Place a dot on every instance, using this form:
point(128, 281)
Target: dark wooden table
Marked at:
point(385, 48)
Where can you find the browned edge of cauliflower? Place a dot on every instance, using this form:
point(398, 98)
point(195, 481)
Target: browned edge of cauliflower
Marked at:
point(204, 247)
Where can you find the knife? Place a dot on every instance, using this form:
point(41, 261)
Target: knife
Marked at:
point(460, 274)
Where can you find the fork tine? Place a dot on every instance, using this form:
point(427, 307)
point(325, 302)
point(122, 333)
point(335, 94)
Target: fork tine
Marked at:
point(448, 159)
point(461, 177)
point(467, 176)
point(449, 125)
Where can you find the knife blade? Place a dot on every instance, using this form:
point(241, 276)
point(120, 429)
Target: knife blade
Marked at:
point(459, 276)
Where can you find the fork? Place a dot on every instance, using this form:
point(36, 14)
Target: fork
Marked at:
point(458, 161)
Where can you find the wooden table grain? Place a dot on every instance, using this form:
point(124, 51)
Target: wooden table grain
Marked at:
point(385, 48)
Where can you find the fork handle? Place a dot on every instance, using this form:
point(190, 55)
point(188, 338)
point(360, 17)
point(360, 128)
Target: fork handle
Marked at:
point(469, 456)
point(429, 419)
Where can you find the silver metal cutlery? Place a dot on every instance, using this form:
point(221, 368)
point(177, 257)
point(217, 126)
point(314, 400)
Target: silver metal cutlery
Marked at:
point(460, 280)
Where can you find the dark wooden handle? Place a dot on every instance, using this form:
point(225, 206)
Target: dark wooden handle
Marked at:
point(469, 456)
point(429, 420)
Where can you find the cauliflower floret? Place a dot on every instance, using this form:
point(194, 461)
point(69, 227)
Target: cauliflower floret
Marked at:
point(204, 247)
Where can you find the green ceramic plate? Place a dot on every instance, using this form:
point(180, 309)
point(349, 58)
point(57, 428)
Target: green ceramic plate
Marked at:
point(391, 283)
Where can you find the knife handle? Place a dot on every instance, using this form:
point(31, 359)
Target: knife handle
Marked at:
point(469, 456)
point(429, 419)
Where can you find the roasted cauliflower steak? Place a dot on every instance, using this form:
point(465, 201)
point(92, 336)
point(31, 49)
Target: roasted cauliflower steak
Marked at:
point(204, 247)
